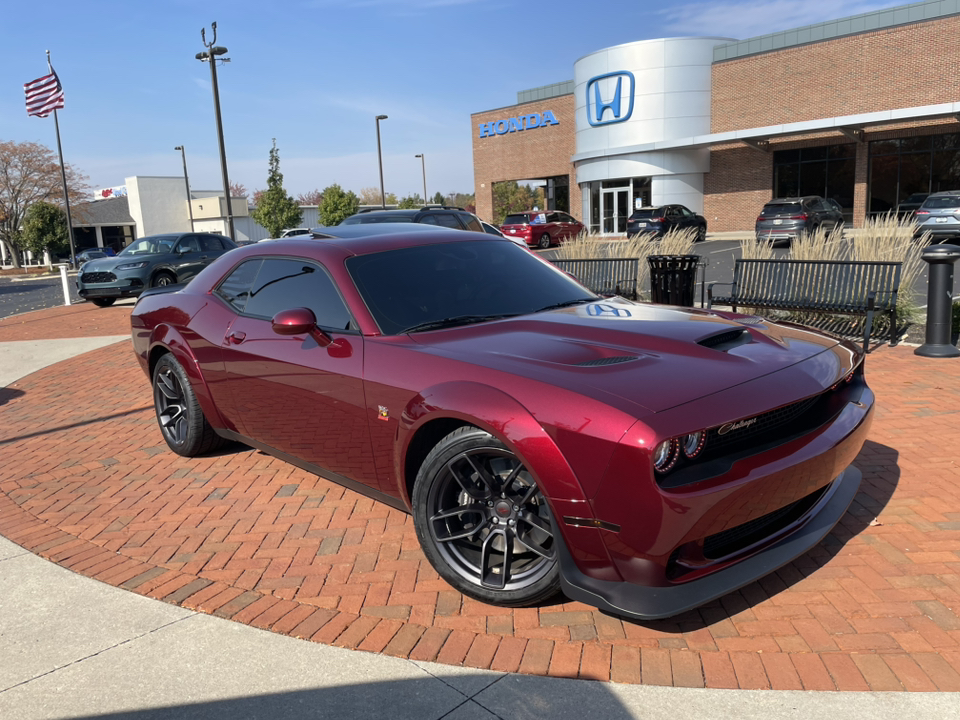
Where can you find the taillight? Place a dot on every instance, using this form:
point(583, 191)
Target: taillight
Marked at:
point(801, 216)
point(760, 218)
point(921, 212)
point(659, 219)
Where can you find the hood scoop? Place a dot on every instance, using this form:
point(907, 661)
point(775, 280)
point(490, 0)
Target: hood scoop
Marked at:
point(597, 362)
point(726, 341)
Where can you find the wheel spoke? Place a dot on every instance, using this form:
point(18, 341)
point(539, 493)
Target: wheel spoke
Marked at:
point(530, 494)
point(483, 474)
point(171, 415)
point(488, 578)
point(457, 512)
point(528, 542)
point(538, 522)
point(167, 386)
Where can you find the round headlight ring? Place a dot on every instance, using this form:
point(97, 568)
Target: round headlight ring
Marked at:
point(693, 443)
point(665, 455)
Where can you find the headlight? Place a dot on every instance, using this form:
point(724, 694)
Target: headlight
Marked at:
point(132, 266)
point(665, 455)
point(693, 443)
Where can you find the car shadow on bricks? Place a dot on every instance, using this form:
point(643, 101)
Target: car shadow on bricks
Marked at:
point(71, 426)
point(881, 473)
point(7, 394)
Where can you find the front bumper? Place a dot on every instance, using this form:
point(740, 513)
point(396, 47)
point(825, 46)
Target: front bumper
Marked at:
point(119, 288)
point(650, 603)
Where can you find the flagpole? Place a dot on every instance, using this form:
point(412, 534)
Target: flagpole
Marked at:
point(63, 178)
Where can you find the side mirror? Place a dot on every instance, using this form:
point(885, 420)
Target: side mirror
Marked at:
point(300, 321)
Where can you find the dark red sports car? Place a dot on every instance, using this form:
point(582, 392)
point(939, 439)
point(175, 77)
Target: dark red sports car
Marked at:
point(641, 458)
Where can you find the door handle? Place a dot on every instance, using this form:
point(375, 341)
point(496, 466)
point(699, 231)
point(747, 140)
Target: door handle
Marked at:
point(236, 337)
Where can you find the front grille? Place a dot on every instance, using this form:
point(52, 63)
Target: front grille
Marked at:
point(764, 425)
point(98, 277)
point(743, 536)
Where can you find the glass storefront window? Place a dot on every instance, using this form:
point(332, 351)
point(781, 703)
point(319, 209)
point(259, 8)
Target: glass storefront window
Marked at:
point(826, 170)
point(903, 166)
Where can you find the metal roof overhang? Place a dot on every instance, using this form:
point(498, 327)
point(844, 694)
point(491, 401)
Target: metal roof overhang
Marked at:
point(851, 126)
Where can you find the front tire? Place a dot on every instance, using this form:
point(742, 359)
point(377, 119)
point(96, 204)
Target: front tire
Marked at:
point(162, 279)
point(701, 233)
point(483, 523)
point(544, 241)
point(103, 302)
point(179, 415)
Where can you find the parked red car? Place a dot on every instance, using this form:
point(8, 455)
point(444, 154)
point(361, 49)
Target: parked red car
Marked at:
point(541, 229)
point(643, 459)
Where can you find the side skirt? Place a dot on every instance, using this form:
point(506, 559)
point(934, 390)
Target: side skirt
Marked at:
point(317, 470)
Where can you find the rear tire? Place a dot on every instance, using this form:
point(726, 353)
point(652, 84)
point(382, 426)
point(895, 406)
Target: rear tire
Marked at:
point(544, 241)
point(103, 302)
point(179, 415)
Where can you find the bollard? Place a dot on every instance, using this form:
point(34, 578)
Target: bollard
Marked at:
point(63, 280)
point(939, 301)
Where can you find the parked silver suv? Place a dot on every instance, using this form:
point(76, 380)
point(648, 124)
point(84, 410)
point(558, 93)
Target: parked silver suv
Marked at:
point(783, 219)
point(940, 216)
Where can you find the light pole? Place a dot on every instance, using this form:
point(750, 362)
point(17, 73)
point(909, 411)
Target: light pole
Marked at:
point(214, 51)
point(423, 164)
point(383, 197)
point(186, 182)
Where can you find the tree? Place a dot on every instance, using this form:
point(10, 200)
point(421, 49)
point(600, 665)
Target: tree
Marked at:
point(45, 228)
point(509, 197)
point(314, 197)
point(369, 196)
point(238, 190)
point(337, 205)
point(276, 210)
point(439, 199)
point(410, 202)
point(30, 173)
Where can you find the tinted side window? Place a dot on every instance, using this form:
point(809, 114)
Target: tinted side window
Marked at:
point(287, 284)
point(210, 243)
point(447, 220)
point(429, 219)
point(473, 224)
point(235, 288)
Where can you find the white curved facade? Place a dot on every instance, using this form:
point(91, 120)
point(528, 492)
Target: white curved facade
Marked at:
point(630, 96)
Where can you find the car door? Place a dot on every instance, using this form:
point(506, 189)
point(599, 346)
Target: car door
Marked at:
point(290, 392)
point(188, 259)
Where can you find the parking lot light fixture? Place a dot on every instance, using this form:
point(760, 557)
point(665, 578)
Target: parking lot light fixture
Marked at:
point(186, 182)
point(423, 165)
point(383, 197)
point(212, 55)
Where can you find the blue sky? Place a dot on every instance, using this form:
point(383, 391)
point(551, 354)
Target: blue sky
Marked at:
point(314, 73)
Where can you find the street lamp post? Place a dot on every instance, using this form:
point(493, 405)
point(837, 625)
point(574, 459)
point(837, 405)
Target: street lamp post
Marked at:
point(383, 197)
point(186, 182)
point(423, 164)
point(211, 55)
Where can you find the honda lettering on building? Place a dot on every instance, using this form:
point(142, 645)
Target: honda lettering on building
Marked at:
point(515, 124)
point(610, 93)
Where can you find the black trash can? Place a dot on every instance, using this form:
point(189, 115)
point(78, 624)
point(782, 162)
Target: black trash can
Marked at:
point(673, 279)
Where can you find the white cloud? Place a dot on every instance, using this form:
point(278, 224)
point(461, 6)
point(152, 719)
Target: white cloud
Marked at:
point(749, 18)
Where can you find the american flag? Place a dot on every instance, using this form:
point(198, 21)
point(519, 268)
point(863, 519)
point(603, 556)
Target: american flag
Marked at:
point(44, 95)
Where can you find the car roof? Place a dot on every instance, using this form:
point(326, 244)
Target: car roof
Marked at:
point(368, 229)
point(405, 235)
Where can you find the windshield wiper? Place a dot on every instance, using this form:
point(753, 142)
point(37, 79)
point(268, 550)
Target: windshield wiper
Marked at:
point(456, 320)
point(566, 303)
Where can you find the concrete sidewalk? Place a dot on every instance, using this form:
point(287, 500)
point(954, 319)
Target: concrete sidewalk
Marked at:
point(74, 647)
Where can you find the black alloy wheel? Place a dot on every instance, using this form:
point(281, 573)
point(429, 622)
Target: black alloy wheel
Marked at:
point(179, 415)
point(701, 233)
point(483, 523)
point(544, 241)
point(162, 279)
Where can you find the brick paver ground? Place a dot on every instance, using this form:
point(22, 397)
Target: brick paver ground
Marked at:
point(86, 481)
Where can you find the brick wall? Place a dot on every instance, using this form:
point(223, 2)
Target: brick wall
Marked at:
point(906, 66)
point(536, 153)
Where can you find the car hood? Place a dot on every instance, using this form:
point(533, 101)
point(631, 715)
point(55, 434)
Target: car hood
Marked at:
point(653, 356)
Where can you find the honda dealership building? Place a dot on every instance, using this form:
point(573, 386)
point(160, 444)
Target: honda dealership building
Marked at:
point(864, 110)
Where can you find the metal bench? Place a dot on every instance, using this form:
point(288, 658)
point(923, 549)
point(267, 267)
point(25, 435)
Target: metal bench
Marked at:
point(605, 276)
point(829, 286)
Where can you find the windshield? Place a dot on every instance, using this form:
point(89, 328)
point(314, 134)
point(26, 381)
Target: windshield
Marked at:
point(433, 284)
point(153, 245)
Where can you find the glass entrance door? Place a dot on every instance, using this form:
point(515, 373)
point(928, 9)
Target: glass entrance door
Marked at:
point(615, 208)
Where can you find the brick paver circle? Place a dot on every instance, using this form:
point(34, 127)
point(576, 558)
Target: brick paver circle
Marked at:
point(86, 481)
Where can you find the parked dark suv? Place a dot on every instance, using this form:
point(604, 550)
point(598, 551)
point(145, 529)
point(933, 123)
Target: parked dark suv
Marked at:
point(783, 219)
point(940, 216)
point(658, 220)
point(444, 216)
